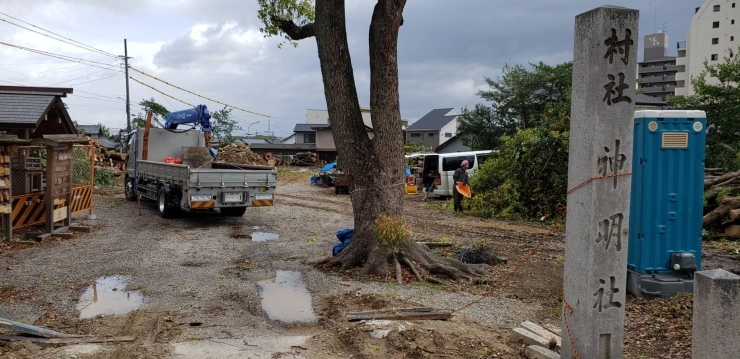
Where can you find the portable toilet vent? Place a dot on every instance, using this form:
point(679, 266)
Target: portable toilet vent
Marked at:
point(666, 203)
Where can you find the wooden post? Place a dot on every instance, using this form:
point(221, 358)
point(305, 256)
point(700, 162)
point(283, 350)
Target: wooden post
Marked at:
point(49, 197)
point(70, 174)
point(92, 174)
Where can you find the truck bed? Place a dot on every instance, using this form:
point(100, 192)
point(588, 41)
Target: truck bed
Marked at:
point(206, 177)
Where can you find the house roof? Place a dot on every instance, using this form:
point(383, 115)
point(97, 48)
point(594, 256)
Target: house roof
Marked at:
point(642, 99)
point(433, 121)
point(104, 142)
point(328, 127)
point(25, 106)
point(89, 129)
point(283, 146)
point(287, 138)
point(309, 127)
point(447, 143)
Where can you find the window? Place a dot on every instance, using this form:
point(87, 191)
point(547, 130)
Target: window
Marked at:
point(716, 8)
point(715, 57)
point(448, 134)
point(715, 24)
point(715, 41)
point(309, 138)
point(453, 163)
point(433, 134)
point(416, 135)
point(482, 159)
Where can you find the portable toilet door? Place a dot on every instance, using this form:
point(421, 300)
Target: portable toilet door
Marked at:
point(666, 202)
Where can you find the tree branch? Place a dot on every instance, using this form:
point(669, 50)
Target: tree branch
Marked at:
point(294, 31)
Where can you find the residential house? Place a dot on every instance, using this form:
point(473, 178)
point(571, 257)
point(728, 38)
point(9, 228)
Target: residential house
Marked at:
point(290, 140)
point(434, 128)
point(306, 132)
point(325, 147)
point(713, 35)
point(452, 145)
point(93, 131)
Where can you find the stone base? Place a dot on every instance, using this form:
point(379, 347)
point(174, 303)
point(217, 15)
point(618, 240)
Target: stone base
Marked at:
point(657, 285)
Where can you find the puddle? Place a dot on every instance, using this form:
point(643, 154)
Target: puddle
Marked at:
point(263, 236)
point(285, 298)
point(107, 296)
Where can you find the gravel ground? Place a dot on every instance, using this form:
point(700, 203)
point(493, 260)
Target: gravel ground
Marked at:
point(192, 267)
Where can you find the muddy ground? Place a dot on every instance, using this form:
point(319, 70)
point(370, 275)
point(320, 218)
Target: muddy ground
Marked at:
point(193, 285)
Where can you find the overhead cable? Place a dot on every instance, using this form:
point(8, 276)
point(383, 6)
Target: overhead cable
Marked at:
point(201, 96)
point(73, 42)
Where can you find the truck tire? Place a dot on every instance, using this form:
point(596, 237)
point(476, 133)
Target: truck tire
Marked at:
point(128, 189)
point(163, 207)
point(233, 211)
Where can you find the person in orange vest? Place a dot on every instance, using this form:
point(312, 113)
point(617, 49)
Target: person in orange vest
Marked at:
point(460, 176)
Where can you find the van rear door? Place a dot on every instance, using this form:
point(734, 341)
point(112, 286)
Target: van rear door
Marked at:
point(449, 165)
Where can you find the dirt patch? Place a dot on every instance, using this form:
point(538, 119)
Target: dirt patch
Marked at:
point(659, 328)
point(456, 338)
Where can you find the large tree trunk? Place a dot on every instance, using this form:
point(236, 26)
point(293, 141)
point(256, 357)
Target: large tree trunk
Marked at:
point(374, 167)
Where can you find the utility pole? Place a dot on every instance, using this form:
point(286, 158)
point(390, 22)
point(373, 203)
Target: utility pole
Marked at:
point(128, 99)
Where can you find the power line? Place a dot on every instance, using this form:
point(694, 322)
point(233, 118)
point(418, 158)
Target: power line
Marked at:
point(85, 47)
point(172, 97)
point(193, 93)
point(62, 57)
point(101, 79)
point(76, 78)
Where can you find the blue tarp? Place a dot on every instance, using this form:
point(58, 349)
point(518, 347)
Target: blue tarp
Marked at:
point(345, 236)
point(328, 167)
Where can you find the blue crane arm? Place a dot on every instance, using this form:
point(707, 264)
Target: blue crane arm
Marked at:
point(198, 115)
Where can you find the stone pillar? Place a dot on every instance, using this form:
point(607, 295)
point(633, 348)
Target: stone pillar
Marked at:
point(716, 319)
point(599, 165)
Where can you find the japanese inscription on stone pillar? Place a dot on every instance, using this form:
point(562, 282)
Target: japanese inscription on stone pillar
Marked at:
point(597, 222)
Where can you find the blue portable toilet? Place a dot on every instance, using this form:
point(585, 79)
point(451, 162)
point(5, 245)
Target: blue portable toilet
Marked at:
point(666, 203)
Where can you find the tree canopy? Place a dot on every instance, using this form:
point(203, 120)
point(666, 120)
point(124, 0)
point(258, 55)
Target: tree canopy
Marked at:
point(521, 98)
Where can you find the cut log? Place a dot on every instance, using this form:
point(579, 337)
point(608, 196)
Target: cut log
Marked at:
point(734, 214)
point(720, 212)
point(721, 179)
point(117, 156)
point(733, 230)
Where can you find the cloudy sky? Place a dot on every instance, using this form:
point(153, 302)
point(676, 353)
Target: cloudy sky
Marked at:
point(214, 48)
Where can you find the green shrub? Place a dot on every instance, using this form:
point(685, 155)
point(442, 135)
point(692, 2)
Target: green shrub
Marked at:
point(527, 178)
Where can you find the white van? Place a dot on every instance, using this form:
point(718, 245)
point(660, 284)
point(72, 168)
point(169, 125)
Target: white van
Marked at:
point(438, 169)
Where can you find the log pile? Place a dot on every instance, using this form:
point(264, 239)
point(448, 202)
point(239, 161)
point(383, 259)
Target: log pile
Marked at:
point(240, 154)
point(105, 158)
point(306, 159)
point(722, 203)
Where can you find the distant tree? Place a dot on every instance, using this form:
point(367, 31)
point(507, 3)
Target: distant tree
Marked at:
point(716, 92)
point(521, 98)
point(104, 131)
point(224, 127)
point(159, 112)
point(414, 147)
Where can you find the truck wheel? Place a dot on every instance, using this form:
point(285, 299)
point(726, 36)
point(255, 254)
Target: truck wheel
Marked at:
point(233, 211)
point(162, 204)
point(128, 189)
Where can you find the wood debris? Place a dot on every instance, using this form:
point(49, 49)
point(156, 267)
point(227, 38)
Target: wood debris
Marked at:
point(306, 159)
point(424, 313)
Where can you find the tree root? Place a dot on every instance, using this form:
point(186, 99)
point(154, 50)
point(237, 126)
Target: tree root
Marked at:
point(399, 273)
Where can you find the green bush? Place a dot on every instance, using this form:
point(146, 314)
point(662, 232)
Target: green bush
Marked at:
point(526, 178)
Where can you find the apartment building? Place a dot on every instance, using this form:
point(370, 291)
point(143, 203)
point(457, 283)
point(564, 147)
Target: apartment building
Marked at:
point(714, 35)
point(657, 71)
